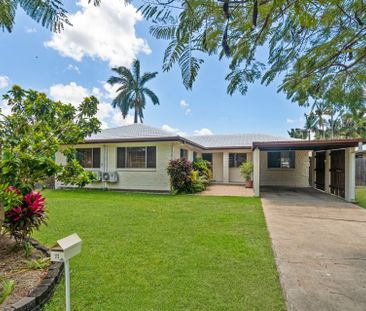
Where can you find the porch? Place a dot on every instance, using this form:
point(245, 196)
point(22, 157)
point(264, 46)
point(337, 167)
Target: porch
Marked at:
point(226, 163)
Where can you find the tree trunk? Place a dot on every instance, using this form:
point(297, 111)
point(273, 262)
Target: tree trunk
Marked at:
point(2, 215)
point(136, 115)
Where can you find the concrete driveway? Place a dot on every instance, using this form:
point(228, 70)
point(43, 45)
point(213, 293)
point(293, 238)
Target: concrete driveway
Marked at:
point(319, 243)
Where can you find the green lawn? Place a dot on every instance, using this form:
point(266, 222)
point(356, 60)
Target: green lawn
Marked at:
point(161, 252)
point(361, 196)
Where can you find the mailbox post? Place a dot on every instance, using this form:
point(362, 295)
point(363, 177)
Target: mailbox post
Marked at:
point(65, 249)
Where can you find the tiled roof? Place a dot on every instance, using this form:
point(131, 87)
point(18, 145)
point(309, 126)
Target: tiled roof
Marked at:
point(129, 132)
point(235, 140)
point(141, 131)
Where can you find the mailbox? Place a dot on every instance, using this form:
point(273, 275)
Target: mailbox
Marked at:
point(66, 248)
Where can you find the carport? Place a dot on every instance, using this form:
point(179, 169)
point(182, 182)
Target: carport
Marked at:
point(326, 165)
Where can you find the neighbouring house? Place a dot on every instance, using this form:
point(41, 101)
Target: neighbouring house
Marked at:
point(135, 157)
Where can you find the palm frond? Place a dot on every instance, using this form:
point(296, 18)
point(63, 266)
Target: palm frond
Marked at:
point(123, 72)
point(7, 14)
point(50, 13)
point(136, 70)
point(147, 77)
point(189, 66)
point(154, 98)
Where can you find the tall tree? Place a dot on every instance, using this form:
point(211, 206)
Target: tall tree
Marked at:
point(318, 47)
point(50, 13)
point(132, 91)
point(33, 132)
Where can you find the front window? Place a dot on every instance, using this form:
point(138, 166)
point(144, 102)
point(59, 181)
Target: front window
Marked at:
point(207, 157)
point(281, 159)
point(136, 157)
point(236, 159)
point(88, 157)
point(184, 153)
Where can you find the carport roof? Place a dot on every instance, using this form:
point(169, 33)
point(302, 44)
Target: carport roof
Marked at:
point(314, 145)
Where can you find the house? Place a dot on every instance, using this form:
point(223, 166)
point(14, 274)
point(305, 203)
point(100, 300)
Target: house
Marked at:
point(135, 157)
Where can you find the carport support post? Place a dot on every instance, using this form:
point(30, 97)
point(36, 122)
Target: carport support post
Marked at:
point(327, 172)
point(350, 174)
point(225, 167)
point(256, 171)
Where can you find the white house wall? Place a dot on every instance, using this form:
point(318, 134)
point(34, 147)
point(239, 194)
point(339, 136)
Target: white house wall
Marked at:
point(155, 179)
point(297, 177)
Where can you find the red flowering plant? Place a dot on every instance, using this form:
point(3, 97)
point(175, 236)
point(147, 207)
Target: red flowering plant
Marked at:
point(26, 215)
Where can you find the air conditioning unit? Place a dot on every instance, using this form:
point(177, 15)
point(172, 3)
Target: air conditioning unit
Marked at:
point(105, 176)
point(113, 176)
point(110, 177)
point(98, 175)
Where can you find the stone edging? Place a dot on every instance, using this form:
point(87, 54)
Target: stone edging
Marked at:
point(40, 295)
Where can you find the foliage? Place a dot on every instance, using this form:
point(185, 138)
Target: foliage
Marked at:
point(188, 177)
point(204, 169)
point(27, 248)
point(180, 172)
point(50, 13)
point(332, 121)
point(30, 135)
point(6, 287)
point(38, 264)
point(198, 182)
point(22, 220)
point(317, 47)
point(132, 91)
point(172, 241)
point(246, 170)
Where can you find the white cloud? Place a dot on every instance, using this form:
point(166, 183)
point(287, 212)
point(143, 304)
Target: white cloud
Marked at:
point(74, 94)
point(184, 105)
point(290, 121)
point(173, 131)
point(30, 30)
point(4, 82)
point(188, 112)
point(106, 32)
point(72, 67)
point(204, 131)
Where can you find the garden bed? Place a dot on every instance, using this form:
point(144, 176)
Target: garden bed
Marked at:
point(33, 276)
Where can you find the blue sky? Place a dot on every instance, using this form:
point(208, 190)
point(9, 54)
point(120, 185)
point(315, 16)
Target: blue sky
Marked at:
point(77, 63)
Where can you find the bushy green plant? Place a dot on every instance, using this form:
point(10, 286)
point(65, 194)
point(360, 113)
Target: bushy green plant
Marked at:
point(38, 264)
point(198, 182)
point(185, 179)
point(246, 170)
point(204, 168)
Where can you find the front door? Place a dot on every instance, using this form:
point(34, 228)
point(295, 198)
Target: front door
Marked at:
point(320, 170)
point(337, 173)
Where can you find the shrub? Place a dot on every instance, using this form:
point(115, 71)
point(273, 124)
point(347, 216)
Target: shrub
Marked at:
point(198, 182)
point(180, 175)
point(246, 170)
point(204, 169)
point(21, 220)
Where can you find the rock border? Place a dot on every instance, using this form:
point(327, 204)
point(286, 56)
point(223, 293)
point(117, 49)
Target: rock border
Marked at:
point(42, 294)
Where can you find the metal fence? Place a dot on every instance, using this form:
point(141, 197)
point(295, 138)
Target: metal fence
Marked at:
point(360, 171)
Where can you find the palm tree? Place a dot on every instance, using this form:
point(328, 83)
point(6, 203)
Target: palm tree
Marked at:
point(132, 90)
point(310, 124)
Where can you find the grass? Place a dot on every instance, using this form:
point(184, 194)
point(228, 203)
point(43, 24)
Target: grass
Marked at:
point(361, 196)
point(160, 252)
